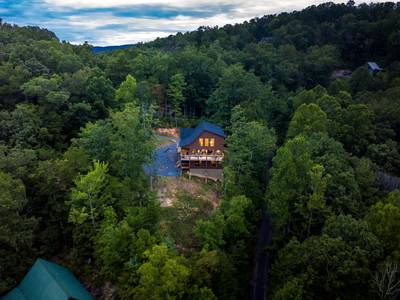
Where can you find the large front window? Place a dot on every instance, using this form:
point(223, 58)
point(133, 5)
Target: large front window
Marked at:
point(212, 142)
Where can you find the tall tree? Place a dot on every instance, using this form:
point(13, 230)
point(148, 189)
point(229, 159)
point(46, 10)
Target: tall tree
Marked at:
point(162, 276)
point(16, 231)
point(335, 263)
point(290, 181)
point(119, 249)
point(126, 92)
point(236, 86)
point(249, 144)
point(175, 93)
point(308, 119)
point(89, 196)
point(384, 220)
point(132, 145)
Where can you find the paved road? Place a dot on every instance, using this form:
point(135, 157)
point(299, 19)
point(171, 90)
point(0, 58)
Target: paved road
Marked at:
point(261, 267)
point(164, 162)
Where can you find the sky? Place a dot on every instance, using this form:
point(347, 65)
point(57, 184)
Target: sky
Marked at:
point(118, 22)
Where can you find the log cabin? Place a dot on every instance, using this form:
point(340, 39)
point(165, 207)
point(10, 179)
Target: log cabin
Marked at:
point(201, 147)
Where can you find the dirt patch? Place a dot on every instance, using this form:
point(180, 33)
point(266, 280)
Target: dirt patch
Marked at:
point(168, 189)
point(186, 201)
point(172, 132)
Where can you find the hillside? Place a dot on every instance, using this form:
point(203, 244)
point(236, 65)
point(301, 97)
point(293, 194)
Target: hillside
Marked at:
point(101, 49)
point(318, 154)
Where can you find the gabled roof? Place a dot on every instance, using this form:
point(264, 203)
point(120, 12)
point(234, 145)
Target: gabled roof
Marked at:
point(188, 135)
point(374, 66)
point(48, 281)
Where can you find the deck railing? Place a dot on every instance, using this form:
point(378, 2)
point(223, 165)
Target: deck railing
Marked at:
point(201, 157)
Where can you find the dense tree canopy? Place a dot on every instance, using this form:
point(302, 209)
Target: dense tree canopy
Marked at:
point(313, 142)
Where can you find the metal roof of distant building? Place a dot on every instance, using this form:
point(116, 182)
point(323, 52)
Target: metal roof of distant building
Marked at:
point(48, 281)
point(374, 66)
point(188, 135)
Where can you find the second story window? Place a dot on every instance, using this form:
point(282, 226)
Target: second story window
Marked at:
point(206, 142)
point(201, 142)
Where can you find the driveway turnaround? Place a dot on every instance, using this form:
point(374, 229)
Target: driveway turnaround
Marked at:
point(164, 162)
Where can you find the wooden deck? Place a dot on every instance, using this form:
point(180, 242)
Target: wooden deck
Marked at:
point(213, 174)
point(199, 161)
point(201, 157)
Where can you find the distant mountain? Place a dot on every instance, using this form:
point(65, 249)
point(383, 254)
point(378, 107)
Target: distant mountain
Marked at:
point(98, 49)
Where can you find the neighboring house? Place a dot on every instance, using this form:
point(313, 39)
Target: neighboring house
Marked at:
point(373, 67)
point(48, 281)
point(266, 40)
point(341, 74)
point(201, 147)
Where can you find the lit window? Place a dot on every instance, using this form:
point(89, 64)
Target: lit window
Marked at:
point(206, 143)
point(201, 142)
point(211, 142)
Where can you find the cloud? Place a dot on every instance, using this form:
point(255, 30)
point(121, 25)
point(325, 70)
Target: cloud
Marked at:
point(79, 4)
point(111, 30)
point(114, 22)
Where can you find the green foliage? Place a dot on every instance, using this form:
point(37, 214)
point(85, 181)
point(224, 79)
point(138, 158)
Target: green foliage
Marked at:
point(89, 197)
point(362, 80)
point(386, 155)
point(312, 178)
point(22, 127)
point(175, 92)
point(236, 86)
point(308, 96)
point(61, 107)
point(237, 211)
point(125, 142)
point(128, 130)
point(249, 143)
point(319, 63)
point(291, 290)
point(290, 173)
point(99, 94)
point(210, 232)
point(181, 218)
point(163, 275)
point(53, 180)
point(39, 87)
point(357, 128)
point(94, 139)
point(308, 119)
point(16, 230)
point(126, 91)
point(384, 220)
point(117, 245)
point(336, 263)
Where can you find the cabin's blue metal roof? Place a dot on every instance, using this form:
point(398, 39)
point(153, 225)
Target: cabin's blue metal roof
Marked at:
point(188, 135)
point(48, 281)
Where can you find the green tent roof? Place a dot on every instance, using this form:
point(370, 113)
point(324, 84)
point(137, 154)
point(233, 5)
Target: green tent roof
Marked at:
point(48, 281)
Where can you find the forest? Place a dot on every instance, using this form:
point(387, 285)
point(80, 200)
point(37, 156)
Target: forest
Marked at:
point(320, 154)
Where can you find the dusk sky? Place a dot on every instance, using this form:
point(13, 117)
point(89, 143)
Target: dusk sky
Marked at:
point(116, 22)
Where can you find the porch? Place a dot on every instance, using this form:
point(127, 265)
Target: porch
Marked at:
point(199, 161)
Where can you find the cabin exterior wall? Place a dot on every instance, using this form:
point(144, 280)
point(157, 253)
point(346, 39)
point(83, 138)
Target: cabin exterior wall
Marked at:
point(197, 156)
point(195, 145)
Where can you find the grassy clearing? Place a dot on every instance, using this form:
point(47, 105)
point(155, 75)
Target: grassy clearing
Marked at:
point(184, 202)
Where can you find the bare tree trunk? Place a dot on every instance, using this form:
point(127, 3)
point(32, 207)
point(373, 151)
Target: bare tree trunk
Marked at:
point(91, 209)
point(387, 281)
